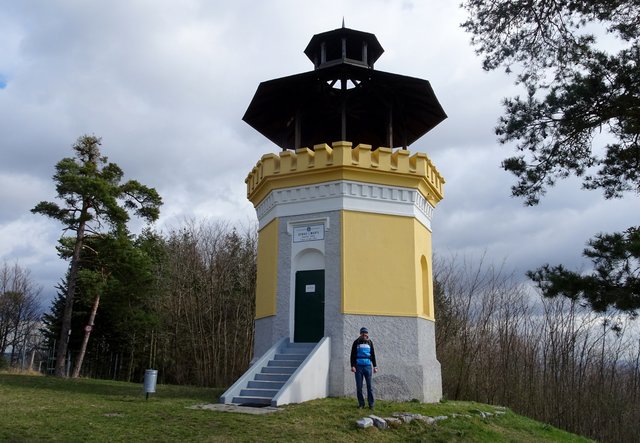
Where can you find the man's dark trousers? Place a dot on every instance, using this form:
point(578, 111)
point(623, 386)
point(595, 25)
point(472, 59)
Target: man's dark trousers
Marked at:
point(364, 372)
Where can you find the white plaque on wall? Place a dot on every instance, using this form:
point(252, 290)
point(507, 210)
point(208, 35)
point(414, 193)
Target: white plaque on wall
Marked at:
point(308, 233)
point(310, 288)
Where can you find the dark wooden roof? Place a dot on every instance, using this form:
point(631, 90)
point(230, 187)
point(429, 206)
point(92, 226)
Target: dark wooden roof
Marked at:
point(344, 98)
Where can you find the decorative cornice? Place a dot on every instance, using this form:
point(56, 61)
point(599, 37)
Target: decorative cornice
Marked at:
point(345, 195)
point(342, 162)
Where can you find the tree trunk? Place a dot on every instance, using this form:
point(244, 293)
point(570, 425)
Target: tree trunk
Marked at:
point(131, 355)
point(33, 357)
point(85, 340)
point(65, 329)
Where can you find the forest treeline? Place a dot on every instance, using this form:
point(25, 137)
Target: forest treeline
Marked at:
point(551, 359)
point(183, 303)
point(20, 312)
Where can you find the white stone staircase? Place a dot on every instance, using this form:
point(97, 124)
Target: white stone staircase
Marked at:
point(266, 382)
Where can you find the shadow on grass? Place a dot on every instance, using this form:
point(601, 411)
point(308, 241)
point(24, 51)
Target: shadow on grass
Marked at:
point(107, 387)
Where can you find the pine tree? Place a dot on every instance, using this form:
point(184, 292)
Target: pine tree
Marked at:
point(576, 88)
point(93, 196)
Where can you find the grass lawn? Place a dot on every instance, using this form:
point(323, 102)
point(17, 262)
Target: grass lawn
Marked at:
point(37, 408)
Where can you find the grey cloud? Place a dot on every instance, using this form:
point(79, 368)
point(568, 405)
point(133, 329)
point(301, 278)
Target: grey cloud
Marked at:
point(165, 84)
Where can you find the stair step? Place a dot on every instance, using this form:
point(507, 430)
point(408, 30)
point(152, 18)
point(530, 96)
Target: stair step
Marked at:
point(272, 377)
point(260, 384)
point(298, 348)
point(296, 357)
point(278, 370)
point(258, 393)
point(284, 363)
point(245, 400)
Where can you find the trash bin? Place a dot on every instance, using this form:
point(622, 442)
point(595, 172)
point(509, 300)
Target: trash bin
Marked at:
point(150, 379)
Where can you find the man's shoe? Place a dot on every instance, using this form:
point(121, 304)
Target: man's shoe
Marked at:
point(371, 407)
point(360, 407)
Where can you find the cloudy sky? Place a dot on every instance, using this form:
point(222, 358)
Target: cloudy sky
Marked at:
point(165, 84)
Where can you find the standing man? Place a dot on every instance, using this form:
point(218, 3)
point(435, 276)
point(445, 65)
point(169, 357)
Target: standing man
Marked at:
point(363, 359)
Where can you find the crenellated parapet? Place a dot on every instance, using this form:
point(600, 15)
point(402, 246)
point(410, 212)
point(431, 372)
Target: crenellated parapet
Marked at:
point(343, 162)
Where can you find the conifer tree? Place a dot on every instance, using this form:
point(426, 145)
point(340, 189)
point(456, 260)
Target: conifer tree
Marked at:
point(93, 199)
point(576, 89)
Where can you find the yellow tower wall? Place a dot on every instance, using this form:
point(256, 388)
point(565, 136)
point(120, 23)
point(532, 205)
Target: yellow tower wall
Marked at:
point(267, 276)
point(382, 266)
point(424, 271)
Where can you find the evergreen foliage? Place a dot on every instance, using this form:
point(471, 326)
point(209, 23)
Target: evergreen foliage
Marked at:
point(614, 282)
point(182, 303)
point(580, 116)
point(93, 198)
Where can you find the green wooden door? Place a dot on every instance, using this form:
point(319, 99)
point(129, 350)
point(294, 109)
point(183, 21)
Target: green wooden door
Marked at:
point(309, 307)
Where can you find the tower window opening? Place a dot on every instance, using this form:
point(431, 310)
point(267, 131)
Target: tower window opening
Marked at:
point(333, 50)
point(354, 50)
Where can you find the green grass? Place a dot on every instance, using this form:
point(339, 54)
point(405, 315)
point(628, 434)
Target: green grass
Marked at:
point(36, 408)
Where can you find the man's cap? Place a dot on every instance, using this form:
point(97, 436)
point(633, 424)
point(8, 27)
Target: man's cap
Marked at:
point(364, 331)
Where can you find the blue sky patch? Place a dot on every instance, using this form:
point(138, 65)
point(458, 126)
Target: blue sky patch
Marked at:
point(3, 82)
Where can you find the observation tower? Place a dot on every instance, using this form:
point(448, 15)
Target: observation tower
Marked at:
point(344, 211)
